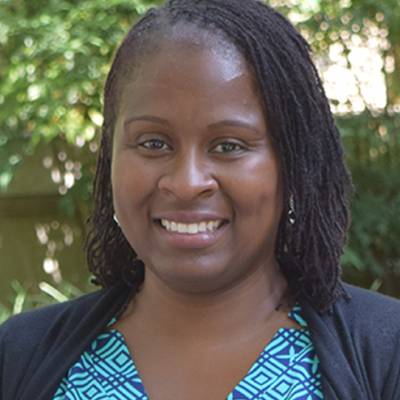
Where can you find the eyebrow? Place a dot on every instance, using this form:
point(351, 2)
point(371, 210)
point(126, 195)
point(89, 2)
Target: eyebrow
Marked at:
point(215, 125)
point(150, 118)
point(237, 123)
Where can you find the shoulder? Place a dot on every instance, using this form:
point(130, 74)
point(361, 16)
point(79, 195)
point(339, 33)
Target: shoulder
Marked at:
point(358, 343)
point(367, 323)
point(364, 297)
point(41, 317)
point(32, 325)
point(38, 346)
point(22, 333)
point(369, 328)
point(370, 311)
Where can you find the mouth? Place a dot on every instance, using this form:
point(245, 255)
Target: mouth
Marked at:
point(191, 228)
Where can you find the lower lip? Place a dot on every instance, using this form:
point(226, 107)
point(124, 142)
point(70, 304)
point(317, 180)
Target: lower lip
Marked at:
point(191, 241)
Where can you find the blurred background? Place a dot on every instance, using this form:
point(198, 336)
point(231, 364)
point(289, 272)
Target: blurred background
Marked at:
point(54, 56)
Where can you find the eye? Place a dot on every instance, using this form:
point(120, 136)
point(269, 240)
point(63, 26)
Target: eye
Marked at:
point(154, 144)
point(228, 147)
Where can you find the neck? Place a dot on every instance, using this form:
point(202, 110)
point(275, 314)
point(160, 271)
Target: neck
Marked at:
point(249, 303)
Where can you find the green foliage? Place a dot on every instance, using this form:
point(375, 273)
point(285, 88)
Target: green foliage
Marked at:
point(373, 250)
point(54, 55)
point(25, 298)
point(53, 60)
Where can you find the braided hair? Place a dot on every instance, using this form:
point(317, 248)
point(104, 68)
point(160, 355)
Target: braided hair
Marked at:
point(301, 126)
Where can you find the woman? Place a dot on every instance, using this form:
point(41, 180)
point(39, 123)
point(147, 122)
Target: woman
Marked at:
point(221, 210)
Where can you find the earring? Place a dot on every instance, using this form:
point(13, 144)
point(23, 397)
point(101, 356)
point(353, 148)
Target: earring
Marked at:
point(291, 212)
point(291, 218)
point(116, 219)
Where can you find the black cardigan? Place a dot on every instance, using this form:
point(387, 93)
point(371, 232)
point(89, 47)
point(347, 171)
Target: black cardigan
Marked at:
point(358, 345)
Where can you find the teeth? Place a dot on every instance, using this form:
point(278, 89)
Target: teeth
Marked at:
point(192, 228)
point(182, 228)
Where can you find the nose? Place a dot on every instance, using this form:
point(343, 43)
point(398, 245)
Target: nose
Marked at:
point(187, 178)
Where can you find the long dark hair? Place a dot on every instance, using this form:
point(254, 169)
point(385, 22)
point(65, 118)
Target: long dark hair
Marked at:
point(301, 126)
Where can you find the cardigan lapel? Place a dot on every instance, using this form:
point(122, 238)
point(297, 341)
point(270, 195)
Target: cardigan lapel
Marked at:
point(339, 373)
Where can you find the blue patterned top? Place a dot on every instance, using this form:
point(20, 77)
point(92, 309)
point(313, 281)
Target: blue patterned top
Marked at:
point(287, 369)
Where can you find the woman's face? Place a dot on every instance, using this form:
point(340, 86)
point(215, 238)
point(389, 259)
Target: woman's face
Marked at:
point(196, 183)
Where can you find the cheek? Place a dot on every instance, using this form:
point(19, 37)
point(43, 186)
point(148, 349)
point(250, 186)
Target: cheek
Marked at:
point(131, 187)
point(132, 192)
point(256, 190)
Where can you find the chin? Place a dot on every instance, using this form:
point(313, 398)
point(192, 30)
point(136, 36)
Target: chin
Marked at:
point(193, 278)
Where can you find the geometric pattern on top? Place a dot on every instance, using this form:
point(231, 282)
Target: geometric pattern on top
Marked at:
point(287, 369)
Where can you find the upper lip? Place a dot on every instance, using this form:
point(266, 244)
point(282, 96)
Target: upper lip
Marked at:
point(189, 216)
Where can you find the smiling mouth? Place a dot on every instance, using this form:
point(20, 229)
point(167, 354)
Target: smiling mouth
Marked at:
point(191, 228)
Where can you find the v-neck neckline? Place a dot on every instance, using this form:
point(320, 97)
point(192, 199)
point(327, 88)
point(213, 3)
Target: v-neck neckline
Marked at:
point(294, 314)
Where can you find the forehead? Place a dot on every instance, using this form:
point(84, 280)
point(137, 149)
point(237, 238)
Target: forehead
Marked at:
point(177, 61)
point(189, 59)
point(199, 80)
